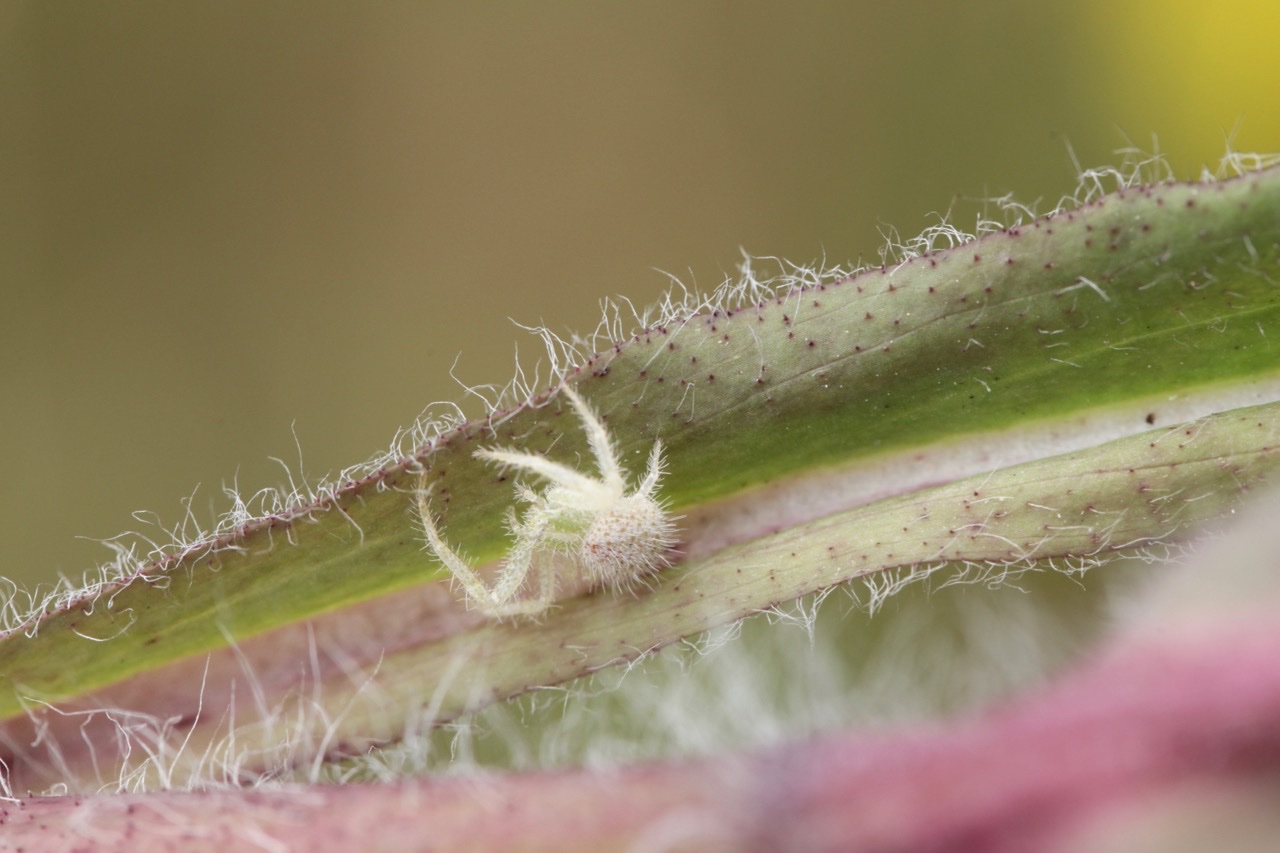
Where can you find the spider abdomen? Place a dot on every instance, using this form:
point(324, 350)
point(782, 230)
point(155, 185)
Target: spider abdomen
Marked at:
point(626, 542)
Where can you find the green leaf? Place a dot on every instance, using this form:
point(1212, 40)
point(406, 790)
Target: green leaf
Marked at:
point(785, 407)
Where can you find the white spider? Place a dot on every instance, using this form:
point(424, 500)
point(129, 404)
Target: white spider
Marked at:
point(612, 538)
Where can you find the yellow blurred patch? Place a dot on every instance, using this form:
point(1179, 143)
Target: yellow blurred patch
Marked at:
point(1196, 75)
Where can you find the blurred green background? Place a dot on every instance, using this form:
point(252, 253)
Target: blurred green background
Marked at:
point(223, 222)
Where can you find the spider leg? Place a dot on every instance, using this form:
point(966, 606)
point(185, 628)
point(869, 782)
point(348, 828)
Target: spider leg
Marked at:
point(597, 438)
point(471, 582)
point(546, 590)
point(530, 532)
point(653, 473)
point(543, 467)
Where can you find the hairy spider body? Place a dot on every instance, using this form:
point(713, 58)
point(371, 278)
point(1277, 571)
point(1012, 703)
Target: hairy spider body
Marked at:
point(611, 537)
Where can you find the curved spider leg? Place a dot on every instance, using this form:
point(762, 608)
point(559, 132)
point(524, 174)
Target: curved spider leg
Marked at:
point(472, 583)
point(529, 532)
